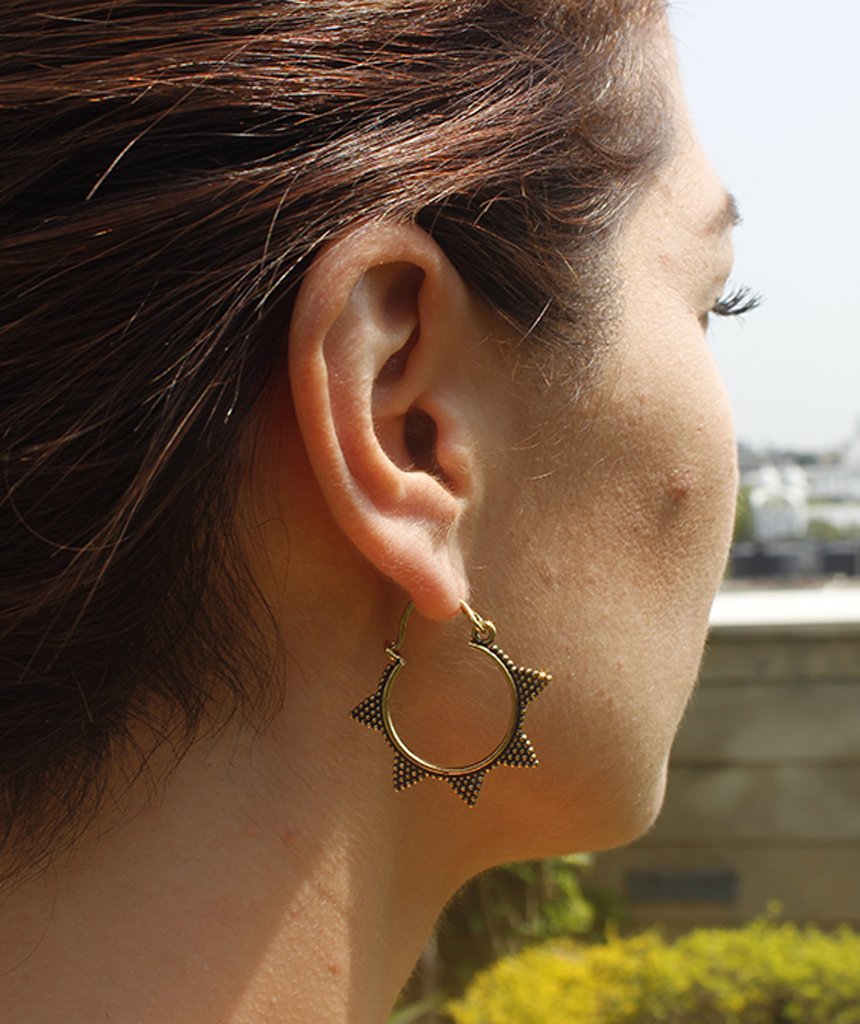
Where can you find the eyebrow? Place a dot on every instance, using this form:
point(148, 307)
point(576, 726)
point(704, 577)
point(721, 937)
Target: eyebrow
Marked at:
point(728, 216)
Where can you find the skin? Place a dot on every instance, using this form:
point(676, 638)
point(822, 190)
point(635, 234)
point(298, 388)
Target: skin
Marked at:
point(277, 876)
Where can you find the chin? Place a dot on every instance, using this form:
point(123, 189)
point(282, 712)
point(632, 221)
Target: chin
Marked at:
point(629, 819)
point(561, 823)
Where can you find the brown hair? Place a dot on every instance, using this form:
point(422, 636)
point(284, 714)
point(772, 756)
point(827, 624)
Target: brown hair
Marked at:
point(167, 172)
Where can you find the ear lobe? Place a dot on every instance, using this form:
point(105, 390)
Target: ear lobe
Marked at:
point(377, 345)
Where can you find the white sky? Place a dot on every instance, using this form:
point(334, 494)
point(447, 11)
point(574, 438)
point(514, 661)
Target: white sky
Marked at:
point(774, 88)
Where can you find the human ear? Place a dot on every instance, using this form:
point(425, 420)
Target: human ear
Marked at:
point(379, 344)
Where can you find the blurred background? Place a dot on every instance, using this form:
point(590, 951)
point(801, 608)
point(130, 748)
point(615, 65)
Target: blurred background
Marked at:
point(760, 833)
point(775, 92)
point(774, 89)
point(763, 807)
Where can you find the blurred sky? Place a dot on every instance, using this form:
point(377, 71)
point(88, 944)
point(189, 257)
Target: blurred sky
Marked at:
point(774, 88)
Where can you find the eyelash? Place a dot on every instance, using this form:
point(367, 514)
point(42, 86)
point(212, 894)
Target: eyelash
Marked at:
point(738, 302)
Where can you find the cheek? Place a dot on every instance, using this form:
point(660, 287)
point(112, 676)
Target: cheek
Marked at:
point(680, 464)
point(701, 480)
point(658, 527)
point(603, 566)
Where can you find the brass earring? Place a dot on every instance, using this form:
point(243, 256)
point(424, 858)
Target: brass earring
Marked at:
point(514, 749)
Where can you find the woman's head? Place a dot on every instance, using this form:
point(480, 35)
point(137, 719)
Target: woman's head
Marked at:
point(174, 173)
point(591, 523)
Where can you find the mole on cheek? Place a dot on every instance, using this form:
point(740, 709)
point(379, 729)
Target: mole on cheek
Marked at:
point(679, 484)
point(547, 572)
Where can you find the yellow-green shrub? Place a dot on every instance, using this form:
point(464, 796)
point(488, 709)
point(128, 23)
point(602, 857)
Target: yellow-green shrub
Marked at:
point(762, 974)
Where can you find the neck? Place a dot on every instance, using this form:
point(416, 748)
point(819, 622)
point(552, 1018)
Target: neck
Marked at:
point(251, 890)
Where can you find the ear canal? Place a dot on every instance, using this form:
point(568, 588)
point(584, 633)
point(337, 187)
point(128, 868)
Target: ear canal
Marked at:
point(396, 364)
point(419, 439)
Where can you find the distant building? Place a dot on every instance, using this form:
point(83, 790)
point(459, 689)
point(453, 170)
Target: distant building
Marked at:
point(805, 519)
point(838, 480)
point(778, 498)
point(786, 497)
point(834, 488)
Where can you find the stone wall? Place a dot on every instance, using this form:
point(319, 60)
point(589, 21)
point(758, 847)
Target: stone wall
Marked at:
point(763, 800)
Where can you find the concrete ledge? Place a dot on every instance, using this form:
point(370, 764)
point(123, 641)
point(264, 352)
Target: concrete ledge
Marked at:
point(757, 657)
point(833, 608)
point(797, 721)
point(772, 804)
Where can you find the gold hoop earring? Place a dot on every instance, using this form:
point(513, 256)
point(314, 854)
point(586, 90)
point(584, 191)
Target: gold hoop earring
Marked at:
point(514, 749)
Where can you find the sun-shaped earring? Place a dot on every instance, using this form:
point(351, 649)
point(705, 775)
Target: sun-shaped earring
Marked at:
point(514, 749)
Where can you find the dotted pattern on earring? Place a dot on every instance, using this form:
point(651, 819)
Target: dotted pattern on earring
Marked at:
point(514, 749)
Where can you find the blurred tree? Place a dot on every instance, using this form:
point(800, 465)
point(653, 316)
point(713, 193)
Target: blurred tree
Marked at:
point(743, 517)
point(495, 915)
point(820, 529)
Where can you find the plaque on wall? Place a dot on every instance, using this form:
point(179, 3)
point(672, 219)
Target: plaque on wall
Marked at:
point(681, 885)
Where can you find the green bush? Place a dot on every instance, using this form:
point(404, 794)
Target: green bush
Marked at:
point(497, 914)
point(764, 973)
